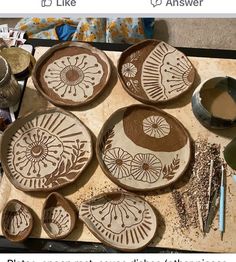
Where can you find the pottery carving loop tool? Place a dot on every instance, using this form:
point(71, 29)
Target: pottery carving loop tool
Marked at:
point(209, 192)
point(222, 203)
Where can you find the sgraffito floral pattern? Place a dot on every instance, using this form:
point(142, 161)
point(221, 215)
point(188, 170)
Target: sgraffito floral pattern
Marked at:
point(146, 168)
point(156, 126)
point(37, 152)
point(118, 162)
point(120, 219)
point(74, 77)
point(129, 70)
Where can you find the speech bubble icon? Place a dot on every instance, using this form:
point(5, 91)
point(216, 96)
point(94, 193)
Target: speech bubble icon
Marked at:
point(156, 2)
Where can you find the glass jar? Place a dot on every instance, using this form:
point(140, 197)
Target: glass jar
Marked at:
point(9, 88)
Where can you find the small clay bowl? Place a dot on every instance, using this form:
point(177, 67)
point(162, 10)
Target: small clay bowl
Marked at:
point(230, 154)
point(58, 216)
point(214, 103)
point(17, 221)
point(120, 220)
point(18, 59)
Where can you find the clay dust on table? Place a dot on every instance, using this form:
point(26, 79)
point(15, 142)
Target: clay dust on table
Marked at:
point(192, 200)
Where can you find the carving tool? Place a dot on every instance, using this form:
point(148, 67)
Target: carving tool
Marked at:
point(222, 203)
point(212, 212)
point(209, 193)
point(200, 216)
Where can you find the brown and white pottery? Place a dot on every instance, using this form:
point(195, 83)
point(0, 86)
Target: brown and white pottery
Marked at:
point(121, 220)
point(9, 88)
point(153, 71)
point(58, 216)
point(71, 74)
point(18, 59)
point(214, 102)
point(17, 221)
point(143, 148)
point(45, 150)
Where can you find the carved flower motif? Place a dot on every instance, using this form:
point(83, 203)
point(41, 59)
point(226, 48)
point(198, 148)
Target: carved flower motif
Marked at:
point(146, 168)
point(119, 214)
point(156, 126)
point(37, 152)
point(129, 70)
point(118, 162)
point(74, 77)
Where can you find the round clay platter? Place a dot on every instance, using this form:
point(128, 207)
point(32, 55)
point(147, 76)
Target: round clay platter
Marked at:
point(142, 148)
point(153, 72)
point(71, 74)
point(58, 216)
point(45, 150)
point(17, 221)
point(120, 220)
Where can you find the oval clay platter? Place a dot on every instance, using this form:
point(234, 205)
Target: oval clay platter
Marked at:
point(45, 150)
point(120, 220)
point(143, 148)
point(154, 72)
point(71, 74)
point(58, 216)
point(17, 221)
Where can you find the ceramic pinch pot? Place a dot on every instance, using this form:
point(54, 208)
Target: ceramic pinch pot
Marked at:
point(120, 220)
point(214, 103)
point(45, 150)
point(154, 72)
point(142, 148)
point(230, 154)
point(71, 74)
point(9, 88)
point(18, 59)
point(58, 216)
point(17, 221)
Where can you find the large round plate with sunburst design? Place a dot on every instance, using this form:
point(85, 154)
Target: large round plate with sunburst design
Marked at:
point(120, 220)
point(71, 74)
point(142, 148)
point(45, 150)
point(154, 72)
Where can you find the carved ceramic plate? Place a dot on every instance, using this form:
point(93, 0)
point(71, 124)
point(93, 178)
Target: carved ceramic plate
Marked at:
point(143, 148)
point(120, 220)
point(153, 71)
point(58, 216)
point(17, 221)
point(71, 74)
point(45, 150)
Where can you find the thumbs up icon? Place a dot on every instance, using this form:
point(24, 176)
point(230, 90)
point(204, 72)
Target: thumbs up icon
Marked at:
point(156, 2)
point(46, 3)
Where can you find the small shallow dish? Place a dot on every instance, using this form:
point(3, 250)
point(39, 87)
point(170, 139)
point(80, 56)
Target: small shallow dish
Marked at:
point(71, 74)
point(142, 148)
point(153, 72)
point(45, 150)
point(214, 103)
point(58, 216)
point(17, 221)
point(120, 220)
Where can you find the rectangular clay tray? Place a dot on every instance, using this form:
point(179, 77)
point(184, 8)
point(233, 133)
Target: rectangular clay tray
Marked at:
point(93, 181)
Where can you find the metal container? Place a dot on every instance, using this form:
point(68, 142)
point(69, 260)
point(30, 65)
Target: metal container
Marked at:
point(9, 88)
